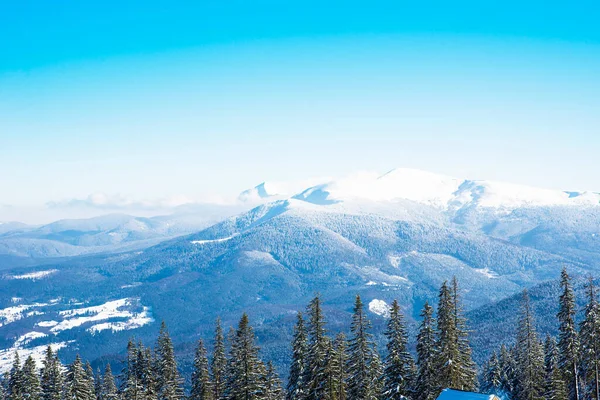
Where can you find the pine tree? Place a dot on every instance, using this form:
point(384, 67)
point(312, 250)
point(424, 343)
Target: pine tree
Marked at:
point(530, 356)
point(335, 369)
point(316, 379)
point(555, 387)
point(91, 380)
point(31, 381)
point(455, 366)
point(362, 357)
point(51, 377)
point(15, 380)
point(272, 384)
point(296, 381)
point(427, 386)
point(108, 388)
point(508, 372)
point(77, 383)
point(245, 370)
point(590, 344)
point(492, 375)
point(169, 383)
point(201, 385)
point(399, 367)
point(132, 387)
point(218, 363)
point(568, 342)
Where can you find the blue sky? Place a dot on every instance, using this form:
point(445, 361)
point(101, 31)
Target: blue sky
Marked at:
point(153, 99)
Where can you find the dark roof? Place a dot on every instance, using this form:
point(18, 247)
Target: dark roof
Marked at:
point(449, 394)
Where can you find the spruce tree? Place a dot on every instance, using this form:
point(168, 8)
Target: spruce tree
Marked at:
point(296, 381)
point(108, 388)
point(132, 387)
point(568, 342)
point(530, 355)
point(77, 385)
point(455, 366)
point(316, 379)
point(590, 344)
point(555, 387)
point(245, 370)
point(399, 367)
point(492, 375)
point(508, 372)
point(219, 362)
point(363, 364)
point(272, 384)
point(169, 383)
point(427, 386)
point(51, 376)
point(339, 366)
point(16, 390)
point(31, 381)
point(91, 380)
point(201, 385)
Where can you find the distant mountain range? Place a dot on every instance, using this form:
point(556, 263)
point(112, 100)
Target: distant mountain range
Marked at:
point(398, 235)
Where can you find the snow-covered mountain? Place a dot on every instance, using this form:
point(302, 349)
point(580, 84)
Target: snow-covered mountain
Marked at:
point(392, 236)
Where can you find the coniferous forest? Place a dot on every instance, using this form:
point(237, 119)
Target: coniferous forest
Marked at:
point(566, 367)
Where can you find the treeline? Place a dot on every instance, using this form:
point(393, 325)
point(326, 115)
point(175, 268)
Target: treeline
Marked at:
point(340, 367)
point(563, 369)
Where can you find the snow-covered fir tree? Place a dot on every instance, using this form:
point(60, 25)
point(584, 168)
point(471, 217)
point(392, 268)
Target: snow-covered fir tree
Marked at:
point(555, 387)
point(51, 376)
point(508, 372)
point(77, 386)
point(362, 357)
point(492, 375)
point(108, 388)
point(245, 371)
point(32, 389)
point(132, 387)
point(169, 383)
point(91, 379)
point(201, 384)
point(589, 337)
point(455, 366)
point(218, 366)
point(426, 386)
point(316, 378)
point(15, 380)
point(399, 367)
point(335, 369)
point(568, 341)
point(272, 384)
point(530, 355)
point(297, 376)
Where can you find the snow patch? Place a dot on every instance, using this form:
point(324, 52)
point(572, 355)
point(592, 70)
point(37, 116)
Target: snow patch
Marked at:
point(212, 240)
point(37, 353)
point(12, 314)
point(379, 307)
point(35, 275)
point(488, 273)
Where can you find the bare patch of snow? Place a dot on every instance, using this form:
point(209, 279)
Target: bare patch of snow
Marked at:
point(488, 273)
point(212, 240)
point(379, 307)
point(12, 314)
point(35, 275)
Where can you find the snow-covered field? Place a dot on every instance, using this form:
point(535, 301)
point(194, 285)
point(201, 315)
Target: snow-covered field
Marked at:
point(35, 275)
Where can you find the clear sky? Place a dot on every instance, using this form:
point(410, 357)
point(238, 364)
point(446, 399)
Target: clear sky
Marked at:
point(152, 99)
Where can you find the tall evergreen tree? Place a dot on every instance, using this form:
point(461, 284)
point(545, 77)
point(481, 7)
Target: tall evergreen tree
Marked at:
point(77, 385)
point(492, 375)
point(91, 380)
point(218, 363)
point(31, 381)
point(108, 388)
point(201, 384)
point(169, 383)
point(316, 378)
point(456, 368)
point(555, 387)
point(335, 369)
point(568, 342)
point(426, 387)
point(590, 344)
point(508, 372)
point(132, 387)
point(245, 370)
point(272, 384)
point(362, 357)
point(530, 355)
point(399, 367)
point(296, 382)
point(16, 389)
point(51, 376)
